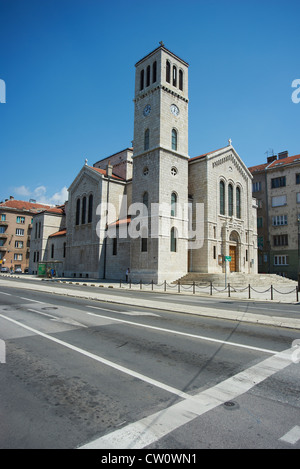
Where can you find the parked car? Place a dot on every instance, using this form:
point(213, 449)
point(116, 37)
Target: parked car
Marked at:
point(18, 270)
point(4, 270)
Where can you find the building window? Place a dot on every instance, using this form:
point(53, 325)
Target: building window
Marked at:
point(174, 139)
point(173, 240)
point(83, 211)
point(279, 220)
point(142, 80)
point(154, 72)
point(298, 197)
point(115, 246)
point(174, 171)
point(148, 76)
point(173, 204)
point(281, 260)
point(280, 240)
point(168, 72)
point(181, 80)
point(18, 257)
point(174, 76)
point(3, 217)
point(259, 222)
point(77, 211)
point(21, 220)
point(278, 182)
point(90, 209)
point(147, 139)
point(238, 202)
point(64, 249)
point(2, 229)
point(146, 171)
point(52, 251)
point(19, 232)
point(256, 186)
point(222, 198)
point(279, 201)
point(230, 200)
point(298, 178)
point(19, 244)
point(214, 252)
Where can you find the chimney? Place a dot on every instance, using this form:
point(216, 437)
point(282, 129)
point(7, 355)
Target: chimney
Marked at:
point(283, 154)
point(11, 198)
point(271, 158)
point(109, 169)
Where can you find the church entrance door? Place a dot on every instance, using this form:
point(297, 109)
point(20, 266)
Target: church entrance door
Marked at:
point(232, 253)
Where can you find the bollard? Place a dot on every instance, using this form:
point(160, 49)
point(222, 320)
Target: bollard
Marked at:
point(249, 291)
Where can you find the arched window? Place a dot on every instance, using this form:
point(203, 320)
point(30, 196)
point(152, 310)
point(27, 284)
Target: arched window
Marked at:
point(168, 72)
point(173, 204)
point(222, 198)
point(174, 139)
point(148, 76)
point(154, 72)
point(52, 251)
point(230, 200)
point(181, 80)
point(78, 212)
point(173, 240)
point(174, 76)
point(90, 209)
point(238, 202)
point(146, 139)
point(83, 211)
point(145, 203)
point(142, 80)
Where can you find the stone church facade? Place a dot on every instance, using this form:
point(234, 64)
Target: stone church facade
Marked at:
point(152, 208)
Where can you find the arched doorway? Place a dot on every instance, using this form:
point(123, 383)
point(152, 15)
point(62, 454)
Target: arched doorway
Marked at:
point(234, 241)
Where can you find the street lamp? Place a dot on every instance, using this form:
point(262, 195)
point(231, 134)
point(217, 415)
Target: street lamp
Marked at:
point(298, 221)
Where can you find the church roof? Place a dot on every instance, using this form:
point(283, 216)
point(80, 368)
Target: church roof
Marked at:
point(58, 233)
point(206, 154)
point(104, 172)
point(22, 205)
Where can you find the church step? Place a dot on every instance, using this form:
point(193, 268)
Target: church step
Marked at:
point(236, 279)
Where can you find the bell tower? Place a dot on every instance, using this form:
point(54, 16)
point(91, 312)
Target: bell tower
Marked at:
point(160, 166)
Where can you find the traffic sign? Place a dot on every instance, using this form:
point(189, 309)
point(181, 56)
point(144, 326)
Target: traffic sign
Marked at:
point(228, 258)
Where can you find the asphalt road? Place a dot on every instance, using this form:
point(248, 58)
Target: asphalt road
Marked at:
point(79, 373)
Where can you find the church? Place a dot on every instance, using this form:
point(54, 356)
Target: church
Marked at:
point(151, 207)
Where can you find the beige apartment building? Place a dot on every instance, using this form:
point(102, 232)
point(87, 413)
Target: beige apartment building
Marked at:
point(15, 232)
point(276, 186)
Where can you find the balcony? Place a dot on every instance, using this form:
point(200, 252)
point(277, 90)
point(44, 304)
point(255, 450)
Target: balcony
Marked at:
point(3, 248)
point(3, 235)
point(3, 223)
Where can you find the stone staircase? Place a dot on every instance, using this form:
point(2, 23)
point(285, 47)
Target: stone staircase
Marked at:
point(236, 279)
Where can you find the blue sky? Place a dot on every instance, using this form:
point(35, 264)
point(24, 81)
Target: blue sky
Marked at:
point(68, 66)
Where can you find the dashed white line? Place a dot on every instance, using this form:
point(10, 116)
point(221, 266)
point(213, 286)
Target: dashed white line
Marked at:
point(293, 436)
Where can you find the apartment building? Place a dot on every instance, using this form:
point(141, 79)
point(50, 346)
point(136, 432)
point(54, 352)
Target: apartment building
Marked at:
point(15, 232)
point(276, 186)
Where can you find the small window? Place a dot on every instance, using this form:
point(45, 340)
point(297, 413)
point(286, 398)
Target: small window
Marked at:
point(173, 204)
point(64, 249)
point(168, 72)
point(222, 198)
point(174, 76)
point(142, 80)
point(174, 139)
point(148, 76)
point(146, 171)
point(154, 72)
point(298, 178)
point(21, 220)
point(146, 139)
point(115, 246)
point(174, 171)
point(230, 200)
point(173, 240)
point(90, 209)
point(181, 80)
point(278, 182)
point(77, 211)
point(238, 202)
point(52, 251)
point(83, 211)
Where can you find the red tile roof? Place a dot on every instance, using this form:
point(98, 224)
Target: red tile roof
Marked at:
point(259, 167)
point(205, 154)
point(104, 172)
point(59, 233)
point(22, 205)
point(276, 163)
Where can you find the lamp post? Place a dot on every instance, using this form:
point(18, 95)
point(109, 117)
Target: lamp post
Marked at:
point(298, 222)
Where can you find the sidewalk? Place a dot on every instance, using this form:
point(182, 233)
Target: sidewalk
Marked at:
point(100, 291)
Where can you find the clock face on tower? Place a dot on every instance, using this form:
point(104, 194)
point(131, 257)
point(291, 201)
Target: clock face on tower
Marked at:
point(147, 110)
point(174, 109)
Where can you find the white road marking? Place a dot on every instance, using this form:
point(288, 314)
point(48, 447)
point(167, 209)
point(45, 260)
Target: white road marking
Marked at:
point(8, 294)
point(31, 300)
point(150, 429)
point(69, 321)
point(129, 313)
point(97, 358)
point(194, 336)
point(292, 437)
point(43, 314)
